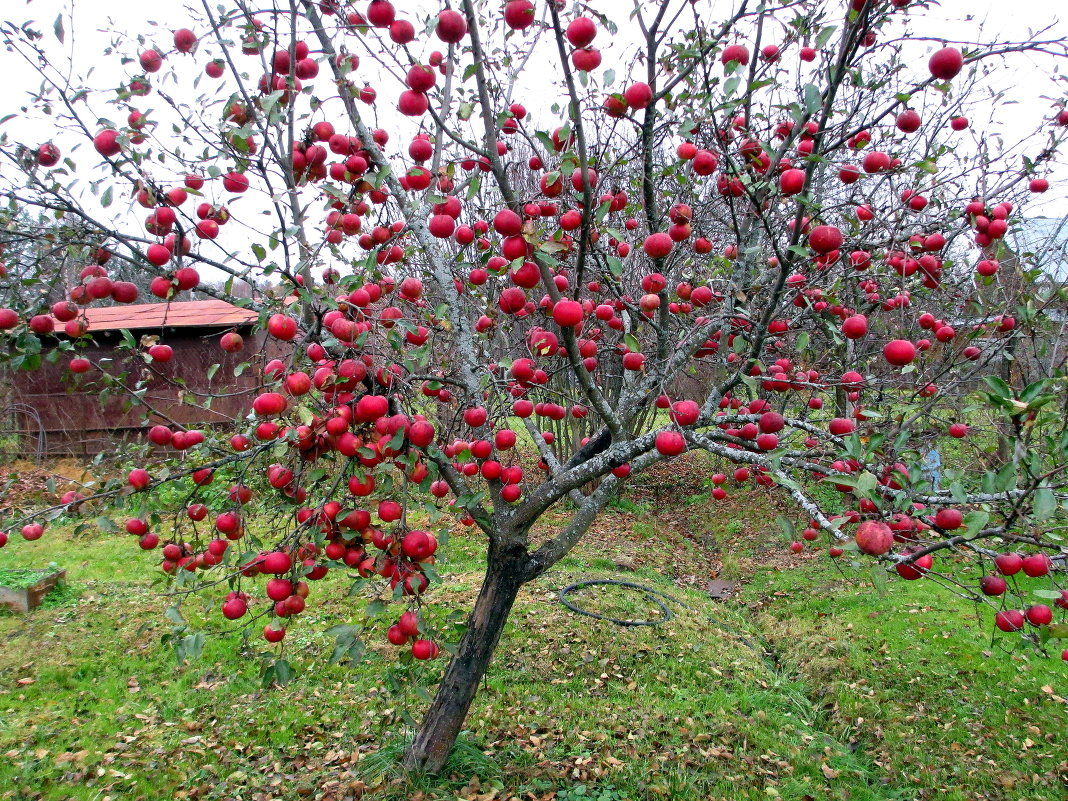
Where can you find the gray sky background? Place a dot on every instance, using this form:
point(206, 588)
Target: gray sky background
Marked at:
point(87, 36)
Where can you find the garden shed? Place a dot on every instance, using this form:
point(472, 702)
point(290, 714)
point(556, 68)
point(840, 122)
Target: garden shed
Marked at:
point(56, 412)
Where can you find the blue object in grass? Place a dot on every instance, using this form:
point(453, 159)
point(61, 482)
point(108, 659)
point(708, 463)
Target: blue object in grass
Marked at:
point(932, 469)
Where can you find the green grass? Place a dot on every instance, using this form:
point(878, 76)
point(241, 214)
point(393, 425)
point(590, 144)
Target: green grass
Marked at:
point(805, 685)
point(914, 677)
point(20, 578)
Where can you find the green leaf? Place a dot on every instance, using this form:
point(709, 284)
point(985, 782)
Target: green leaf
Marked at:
point(878, 578)
point(866, 483)
point(825, 36)
point(1006, 478)
point(813, 98)
point(974, 522)
point(356, 651)
point(901, 441)
point(341, 648)
point(787, 527)
point(1039, 402)
point(609, 77)
point(375, 608)
point(1032, 391)
point(105, 199)
point(1058, 631)
point(1049, 595)
point(283, 671)
point(844, 480)
point(997, 386)
point(989, 483)
point(357, 587)
point(57, 28)
point(106, 524)
point(346, 641)
point(342, 629)
point(174, 614)
point(1045, 503)
point(473, 186)
point(631, 342)
point(192, 646)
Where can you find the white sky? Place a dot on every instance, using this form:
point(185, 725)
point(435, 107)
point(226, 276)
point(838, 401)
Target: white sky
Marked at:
point(957, 19)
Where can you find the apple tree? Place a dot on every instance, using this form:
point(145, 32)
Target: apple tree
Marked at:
point(510, 253)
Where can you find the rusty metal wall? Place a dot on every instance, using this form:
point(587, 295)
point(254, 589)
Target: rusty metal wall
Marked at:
point(80, 416)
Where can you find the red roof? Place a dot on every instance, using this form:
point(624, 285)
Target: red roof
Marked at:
point(184, 314)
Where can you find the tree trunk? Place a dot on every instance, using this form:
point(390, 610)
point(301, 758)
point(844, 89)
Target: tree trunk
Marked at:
point(505, 574)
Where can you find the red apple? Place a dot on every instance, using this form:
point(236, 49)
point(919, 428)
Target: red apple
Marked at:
point(184, 40)
point(825, 238)
point(946, 63)
point(48, 155)
point(519, 14)
point(1009, 564)
point(1009, 620)
point(106, 143)
point(581, 32)
point(874, 538)
point(899, 352)
point(855, 327)
point(658, 246)
point(670, 443)
point(1036, 565)
point(992, 585)
point(424, 649)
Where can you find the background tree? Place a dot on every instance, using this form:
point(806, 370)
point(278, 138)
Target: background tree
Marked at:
point(757, 211)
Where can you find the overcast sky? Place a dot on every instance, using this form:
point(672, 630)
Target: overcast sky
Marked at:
point(957, 19)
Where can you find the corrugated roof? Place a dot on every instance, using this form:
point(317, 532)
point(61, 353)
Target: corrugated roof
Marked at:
point(184, 314)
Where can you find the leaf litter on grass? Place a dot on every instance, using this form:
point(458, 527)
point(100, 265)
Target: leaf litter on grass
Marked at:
point(572, 707)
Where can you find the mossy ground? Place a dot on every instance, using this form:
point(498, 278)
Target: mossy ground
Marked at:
point(810, 683)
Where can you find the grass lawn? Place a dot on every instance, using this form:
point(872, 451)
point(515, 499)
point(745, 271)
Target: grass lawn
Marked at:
point(808, 684)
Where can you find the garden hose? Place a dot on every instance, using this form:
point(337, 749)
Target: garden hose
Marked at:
point(652, 595)
point(658, 599)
